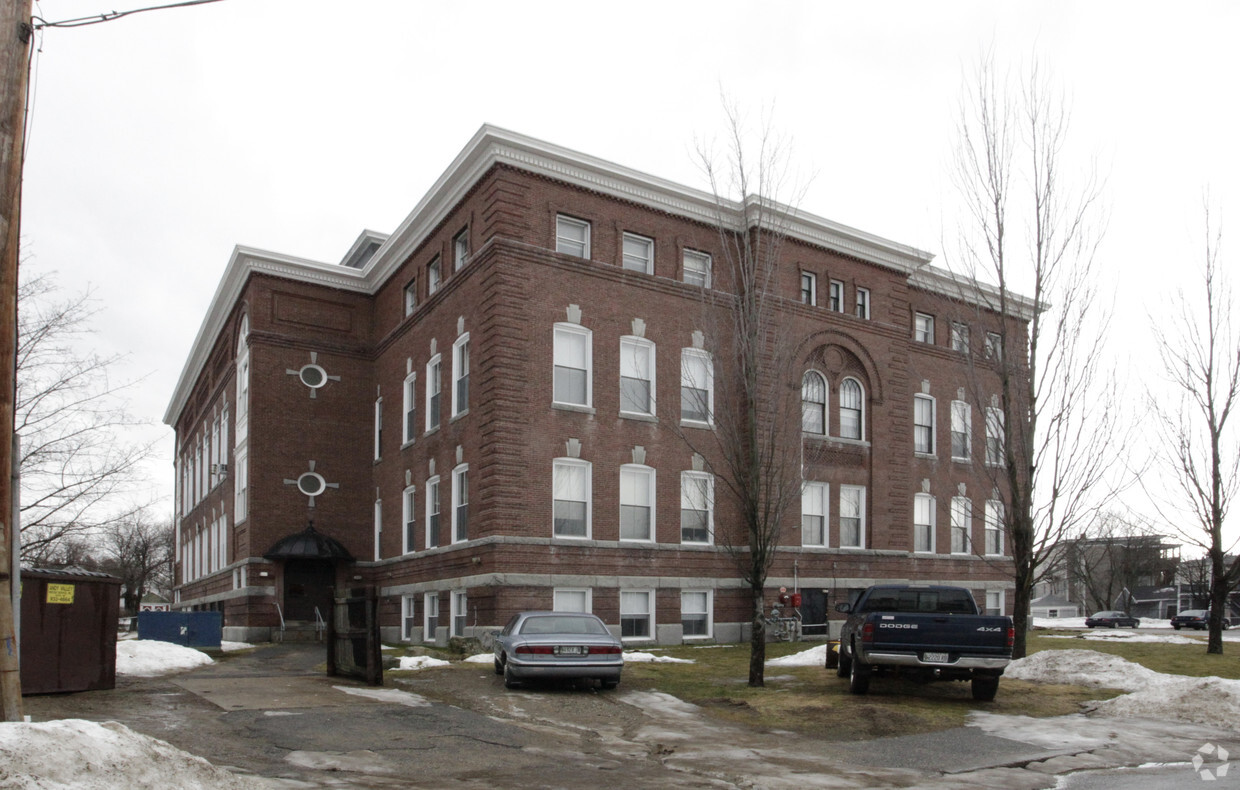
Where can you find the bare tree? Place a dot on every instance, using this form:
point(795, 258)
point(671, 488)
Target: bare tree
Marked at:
point(1028, 229)
point(77, 462)
point(1200, 351)
point(139, 550)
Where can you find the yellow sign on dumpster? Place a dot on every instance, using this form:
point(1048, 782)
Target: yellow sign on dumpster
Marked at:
point(60, 593)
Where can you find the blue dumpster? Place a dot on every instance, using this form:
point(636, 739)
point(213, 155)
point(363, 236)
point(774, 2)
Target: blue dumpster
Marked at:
point(190, 629)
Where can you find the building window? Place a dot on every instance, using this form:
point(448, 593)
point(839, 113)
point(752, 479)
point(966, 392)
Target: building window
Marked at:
point(636, 375)
point(242, 483)
point(572, 236)
point(636, 502)
point(962, 515)
point(636, 614)
point(573, 354)
point(411, 297)
point(566, 600)
point(994, 603)
point(961, 431)
point(923, 424)
point(695, 614)
point(378, 529)
point(638, 254)
point(378, 428)
point(994, 527)
point(994, 347)
point(835, 297)
point(432, 393)
point(409, 397)
point(851, 400)
point(697, 507)
point(460, 503)
point(460, 612)
point(809, 288)
point(960, 337)
point(923, 523)
point(852, 517)
point(571, 505)
point(430, 616)
point(814, 403)
point(460, 250)
point(460, 375)
point(432, 512)
point(697, 397)
point(408, 617)
point(696, 268)
point(432, 277)
point(863, 303)
point(814, 514)
point(407, 517)
point(994, 436)
point(923, 328)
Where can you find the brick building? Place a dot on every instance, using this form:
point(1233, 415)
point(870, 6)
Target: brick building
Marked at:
point(479, 414)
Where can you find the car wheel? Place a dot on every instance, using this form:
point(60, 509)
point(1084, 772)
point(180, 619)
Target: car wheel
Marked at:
point(1226, 625)
point(858, 676)
point(1089, 625)
point(510, 680)
point(499, 668)
point(1136, 623)
point(1176, 627)
point(844, 665)
point(985, 688)
point(1114, 624)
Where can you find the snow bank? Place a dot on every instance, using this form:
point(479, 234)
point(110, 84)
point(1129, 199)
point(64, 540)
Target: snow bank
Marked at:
point(421, 662)
point(1081, 668)
point(148, 658)
point(814, 657)
point(1128, 636)
point(229, 647)
point(638, 657)
point(481, 658)
point(72, 754)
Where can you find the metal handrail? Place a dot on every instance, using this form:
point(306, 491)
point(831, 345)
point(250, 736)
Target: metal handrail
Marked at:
point(320, 625)
point(276, 604)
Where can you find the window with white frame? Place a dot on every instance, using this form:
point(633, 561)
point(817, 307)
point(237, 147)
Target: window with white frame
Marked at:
point(378, 529)
point(863, 303)
point(809, 288)
point(697, 507)
point(243, 378)
point(411, 296)
point(573, 354)
point(923, 424)
point(814, 514)
point(960, 337)
point(636, 502)
point(432, 512)
point(994, 346)
point(923, 328)
point(433, 276)
point(408, 517)
point(994, 603)
point(994, 436)
point(697, 385)
point(695, 614)
point(430, 616)
point(962, 434)
point(638, 253)
point(242, 482)
point(994, 527)
point(378, 428)
point(433, 369)
point(460, 503)
point(962, 518)
point(923, 523)
point(571, 600)
point(852, 517)
point(460, 375)
point(851, 409)
point(460, 250)
point(460, 612)
point(408, 617)
point(636, 614)
point(572, 236)
point(835, 296)
point(696, 268)
point(409, 399)
point(814, 403)
point(636, 375)
point(571, 498)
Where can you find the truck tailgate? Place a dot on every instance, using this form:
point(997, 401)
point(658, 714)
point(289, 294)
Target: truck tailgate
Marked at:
point(945, 634)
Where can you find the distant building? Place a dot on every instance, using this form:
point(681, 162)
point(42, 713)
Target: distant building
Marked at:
point(479, 414)
point(1121, 572)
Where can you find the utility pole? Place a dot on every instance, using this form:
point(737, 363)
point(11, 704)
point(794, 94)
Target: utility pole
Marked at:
point(15, 35)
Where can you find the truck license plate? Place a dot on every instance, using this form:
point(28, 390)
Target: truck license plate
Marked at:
point(936, 658)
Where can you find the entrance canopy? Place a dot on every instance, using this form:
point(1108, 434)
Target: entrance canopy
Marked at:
point(308, 544)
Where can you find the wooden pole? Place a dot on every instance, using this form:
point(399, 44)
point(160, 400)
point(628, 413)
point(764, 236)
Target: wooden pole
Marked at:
point(15, 35)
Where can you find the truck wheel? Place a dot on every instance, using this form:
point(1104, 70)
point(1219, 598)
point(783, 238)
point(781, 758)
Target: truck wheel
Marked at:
point(984, 688)
point(858, 676)
point(844, 665)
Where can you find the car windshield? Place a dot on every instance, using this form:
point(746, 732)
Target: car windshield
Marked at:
point(562, 624)
point(937, 601)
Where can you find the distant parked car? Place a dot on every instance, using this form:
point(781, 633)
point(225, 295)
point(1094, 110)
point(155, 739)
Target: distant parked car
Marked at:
point(1195, 618)
point(1112, 620)
point(547, 645)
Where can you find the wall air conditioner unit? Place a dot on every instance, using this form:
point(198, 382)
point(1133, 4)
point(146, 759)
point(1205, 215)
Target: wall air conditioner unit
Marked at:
point(219, 469)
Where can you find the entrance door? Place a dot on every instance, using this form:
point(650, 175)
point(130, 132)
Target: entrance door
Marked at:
point(814, 612)
point(308, 584)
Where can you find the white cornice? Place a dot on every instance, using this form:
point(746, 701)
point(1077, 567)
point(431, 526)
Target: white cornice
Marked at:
point(972, 291)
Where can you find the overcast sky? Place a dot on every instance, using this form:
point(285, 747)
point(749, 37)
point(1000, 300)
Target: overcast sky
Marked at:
point(159, 141)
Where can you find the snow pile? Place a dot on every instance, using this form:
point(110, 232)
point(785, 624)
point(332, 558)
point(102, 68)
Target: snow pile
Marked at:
point(72, 754)
point(421, 662)
point(1128, 636)
point(229, 647)
point(638, 657)
point(481, 658)
point(814, 657)
point(148, 658)
point(406, 698)
point(1081, 668)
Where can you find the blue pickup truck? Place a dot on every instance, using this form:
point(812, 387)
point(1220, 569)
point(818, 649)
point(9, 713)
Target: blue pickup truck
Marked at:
point(923, 632)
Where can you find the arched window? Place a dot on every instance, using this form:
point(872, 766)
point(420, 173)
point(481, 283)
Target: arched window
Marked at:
point(814, 403)
point(851, 415)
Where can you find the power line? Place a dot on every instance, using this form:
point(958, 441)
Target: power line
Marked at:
point(109, 16)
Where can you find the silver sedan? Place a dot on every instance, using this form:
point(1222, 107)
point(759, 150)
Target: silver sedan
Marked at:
point(547, 645)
